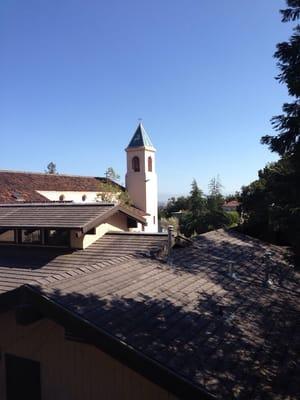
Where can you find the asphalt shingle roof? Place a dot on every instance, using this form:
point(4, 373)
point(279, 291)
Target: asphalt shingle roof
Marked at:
point(20, 265)
point(233, 331)
point(60, 215)
point(234, 336)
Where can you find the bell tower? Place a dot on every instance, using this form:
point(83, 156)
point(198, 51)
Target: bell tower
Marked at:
point(141, 179)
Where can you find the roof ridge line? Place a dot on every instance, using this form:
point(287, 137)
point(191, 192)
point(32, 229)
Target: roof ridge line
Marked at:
point(58, 174)
point(136, 233)
point(57, 204)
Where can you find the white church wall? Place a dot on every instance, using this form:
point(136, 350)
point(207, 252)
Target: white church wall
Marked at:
point(76, 196)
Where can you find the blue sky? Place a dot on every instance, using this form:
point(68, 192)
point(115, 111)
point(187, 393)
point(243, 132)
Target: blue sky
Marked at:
point(75, 76)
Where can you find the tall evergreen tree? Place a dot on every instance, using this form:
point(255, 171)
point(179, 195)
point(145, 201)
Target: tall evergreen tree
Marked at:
point(197, 200)
point(192, 221)
point(215, 198)
point(272, 203)
point(286, 142)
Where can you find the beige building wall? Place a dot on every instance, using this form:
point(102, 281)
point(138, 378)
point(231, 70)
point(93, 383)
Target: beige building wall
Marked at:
point(117, 222)
point(142, 185)
point(70, 370)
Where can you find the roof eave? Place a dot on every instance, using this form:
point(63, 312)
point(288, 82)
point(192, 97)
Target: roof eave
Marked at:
point(148, 148)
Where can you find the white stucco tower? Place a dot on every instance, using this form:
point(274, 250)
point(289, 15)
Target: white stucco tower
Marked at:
point(141, 179)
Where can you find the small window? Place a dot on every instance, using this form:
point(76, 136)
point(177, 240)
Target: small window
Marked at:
point(62, 197)
point(149, 164)
point(154, 219)
point(136, 164)
point(23, 380)
point(7, 235)
point(131, 223)
point(31, 236)
point(57, 237)
point(84, 197)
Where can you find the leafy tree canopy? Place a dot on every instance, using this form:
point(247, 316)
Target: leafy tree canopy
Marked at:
point(271, 204)
point(198, 213)
point(215, 199)
point(286, 142)
point(111, 174)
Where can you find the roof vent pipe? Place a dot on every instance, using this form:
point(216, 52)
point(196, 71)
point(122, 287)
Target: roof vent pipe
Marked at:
point(268, 269)
point(230, 269)
point(231, 272)
point(170, 240)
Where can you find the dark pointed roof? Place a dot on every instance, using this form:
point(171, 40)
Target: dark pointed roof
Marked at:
point(140, 138)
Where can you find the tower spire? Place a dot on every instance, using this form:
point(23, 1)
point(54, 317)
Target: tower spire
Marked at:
point(141, 179)
point(140, 138)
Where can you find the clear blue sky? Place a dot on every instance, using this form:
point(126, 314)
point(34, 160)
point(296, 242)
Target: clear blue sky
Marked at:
point(75, 76)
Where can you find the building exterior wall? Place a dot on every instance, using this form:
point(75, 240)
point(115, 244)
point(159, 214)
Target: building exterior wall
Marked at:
point(117, 223)
point(71, 370)
point(77, 196)
point(142, 185)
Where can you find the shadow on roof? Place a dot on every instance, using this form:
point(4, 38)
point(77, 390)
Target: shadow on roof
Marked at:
point(29, 257)
point(234, 350)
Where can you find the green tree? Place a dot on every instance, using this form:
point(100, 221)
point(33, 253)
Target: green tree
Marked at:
point(215, 217)
point(232, 196)
point(233, 219)
point(51, 168)
point(111, 174)
point(286, 142)
point(174, 205)
point(196, 200)
point(191, 221)
point(277, 191)
point(112, 193)
point(200, 213)
point(215, 198)
point(270, 205)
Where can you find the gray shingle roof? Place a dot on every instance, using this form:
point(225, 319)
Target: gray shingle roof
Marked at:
point(55, 215)
point(20, 265)
point(230, 333)
point(235, 337)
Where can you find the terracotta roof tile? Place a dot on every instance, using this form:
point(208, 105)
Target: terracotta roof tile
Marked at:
point(24, 185)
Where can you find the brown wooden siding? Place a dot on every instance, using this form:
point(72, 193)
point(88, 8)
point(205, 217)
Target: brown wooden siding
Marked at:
point(71, 370)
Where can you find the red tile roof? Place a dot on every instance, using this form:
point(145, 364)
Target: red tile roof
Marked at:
point(232, 203)
point(23, 186)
